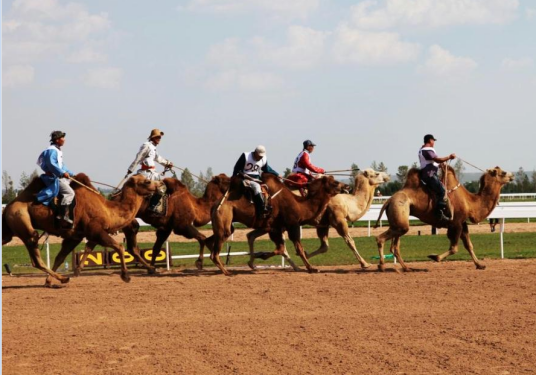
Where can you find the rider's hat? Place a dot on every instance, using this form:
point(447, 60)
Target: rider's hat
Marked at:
point(260, 150)
point(308, 143)
point(55, 135)
point(155, 133)
point(428, 137)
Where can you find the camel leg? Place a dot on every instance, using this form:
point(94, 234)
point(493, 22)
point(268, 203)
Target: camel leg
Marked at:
point(322, 234)
point(67, 246)
point(380, 242)
point(87, 250)
point(101, 237)
point(294, 236)
point(469, 247)
point(131, 232)
point(222, 228)
point(342, 229)
point(31, 242)
point(161, 237)
point(252, 236)
point(395, 249)
point(453, 233)
point(281, 249)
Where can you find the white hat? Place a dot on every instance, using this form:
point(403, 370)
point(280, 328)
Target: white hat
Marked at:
point(260, 150)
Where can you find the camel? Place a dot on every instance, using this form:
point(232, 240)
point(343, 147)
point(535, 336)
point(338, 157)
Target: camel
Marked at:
point(185, 212)
point(341, 209)
point(414, 200)
point(288, 212)
point(95, 218)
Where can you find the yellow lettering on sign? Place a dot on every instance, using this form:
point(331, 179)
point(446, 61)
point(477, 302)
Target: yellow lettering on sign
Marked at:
point(149, 253)
point(94, 259)
point(128, 258)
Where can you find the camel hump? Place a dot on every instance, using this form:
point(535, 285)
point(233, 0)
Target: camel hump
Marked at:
point(173, 185)
point(83, 179)
point(413, 178)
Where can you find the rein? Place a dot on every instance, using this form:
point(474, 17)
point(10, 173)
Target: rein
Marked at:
point(87, 187)
point(199, 178)
point(472, 165)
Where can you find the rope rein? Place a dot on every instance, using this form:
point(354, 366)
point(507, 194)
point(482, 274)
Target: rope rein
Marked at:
point(87, 187)
point(472, 165)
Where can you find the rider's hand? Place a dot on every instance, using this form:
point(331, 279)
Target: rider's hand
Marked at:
point(66, 175)
point(169, 165)
point(452, 156)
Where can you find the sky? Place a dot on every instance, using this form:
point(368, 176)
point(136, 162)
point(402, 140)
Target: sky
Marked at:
point(364, 80)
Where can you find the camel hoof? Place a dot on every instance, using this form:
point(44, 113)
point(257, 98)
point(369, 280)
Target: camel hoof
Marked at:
point(381, 268)
point(313, 270)
point(65, 280)
point(365, 265)
point(152, 270)
point(480, 267)
point(434, 257)
point(407, 269)
point(125, 278)
point(199, 264)
point(252, 265)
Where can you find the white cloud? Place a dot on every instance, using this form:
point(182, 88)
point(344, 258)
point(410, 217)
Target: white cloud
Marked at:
point(373, 14)
point(372, 48)
point(105, 78)
point(87, 54)
point(41, 30)
point(515, 64)
point(279, 8)
point(244, 81)
point(228, 53)
point(530, 13)
point(17, 75)
point(440, 62)
point(304, 48)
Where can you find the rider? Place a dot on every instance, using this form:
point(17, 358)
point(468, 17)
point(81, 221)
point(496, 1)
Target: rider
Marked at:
point(429, 167)
point(146, 157)
point(56, 177)
point(253, 164)
point(301, 172)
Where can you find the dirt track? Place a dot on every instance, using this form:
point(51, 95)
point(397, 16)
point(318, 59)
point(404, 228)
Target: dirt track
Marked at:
point(452, 319)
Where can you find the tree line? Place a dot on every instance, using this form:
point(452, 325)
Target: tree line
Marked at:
point(524, 183)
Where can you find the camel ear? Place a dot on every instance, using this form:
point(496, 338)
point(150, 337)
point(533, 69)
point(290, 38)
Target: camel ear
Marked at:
point(365, 173)
point(492, 172)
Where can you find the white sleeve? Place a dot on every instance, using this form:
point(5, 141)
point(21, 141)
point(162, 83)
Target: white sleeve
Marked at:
point(142, 154)
point(160, 159)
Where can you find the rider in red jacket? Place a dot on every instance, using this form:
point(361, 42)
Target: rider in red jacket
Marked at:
point(301, 171)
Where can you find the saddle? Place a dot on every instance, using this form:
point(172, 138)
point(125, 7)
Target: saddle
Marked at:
point(432, 197)
point(159, 202)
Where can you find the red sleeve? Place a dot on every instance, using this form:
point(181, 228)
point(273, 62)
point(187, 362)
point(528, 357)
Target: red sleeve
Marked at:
point(306, 163)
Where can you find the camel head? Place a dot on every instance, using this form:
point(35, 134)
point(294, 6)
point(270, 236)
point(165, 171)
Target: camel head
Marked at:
point(221, 182)
point(326, 184)
point(497, 175)
point(142, 186)
point(374, 177)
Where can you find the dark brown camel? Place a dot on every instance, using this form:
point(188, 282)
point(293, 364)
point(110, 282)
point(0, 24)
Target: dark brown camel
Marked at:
point(95, 218)
point(185, 213)
point(415, 201)
point(342, 208)
point(288, 212)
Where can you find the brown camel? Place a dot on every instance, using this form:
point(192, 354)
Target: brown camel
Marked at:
point(185, 212)
point(415, 201)
point(95, 218)
point(288, 212)
point(341, 209)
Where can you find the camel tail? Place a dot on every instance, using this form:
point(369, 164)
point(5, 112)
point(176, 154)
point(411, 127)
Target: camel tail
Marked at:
point(384, 207)
point(7, 233)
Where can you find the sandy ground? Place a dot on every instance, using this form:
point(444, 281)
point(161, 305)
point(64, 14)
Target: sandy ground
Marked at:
point(447, 319)
point(240, 234)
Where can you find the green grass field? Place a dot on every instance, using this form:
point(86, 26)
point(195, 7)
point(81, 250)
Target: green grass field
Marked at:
point(414, 248)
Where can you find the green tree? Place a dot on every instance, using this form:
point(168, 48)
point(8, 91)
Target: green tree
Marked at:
point(353, 173)
point(287, 172)
point(25, 179)
point(459, 168)
point(521, 180)
point(8, 191)
point(382, 167)
point(374, 165)
point(188, 180)
point(402, 173)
